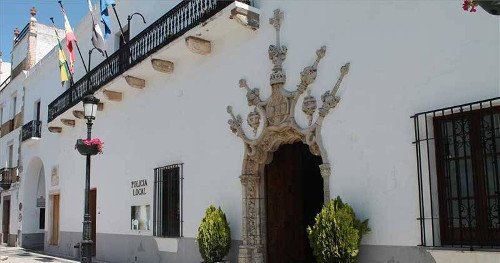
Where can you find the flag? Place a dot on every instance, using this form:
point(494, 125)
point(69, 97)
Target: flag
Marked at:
point(63, 64)
point(105, 16)
point(97, 38)
point(70, 37)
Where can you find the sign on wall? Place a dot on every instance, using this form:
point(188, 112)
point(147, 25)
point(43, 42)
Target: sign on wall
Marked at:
point(139, 187)
point(140, 217)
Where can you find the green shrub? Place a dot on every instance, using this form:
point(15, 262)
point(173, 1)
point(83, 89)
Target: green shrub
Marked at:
point(336, 234)
point(214, 236)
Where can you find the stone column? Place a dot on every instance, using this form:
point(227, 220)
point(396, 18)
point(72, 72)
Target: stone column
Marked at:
point(325, 173)
point(251, 249)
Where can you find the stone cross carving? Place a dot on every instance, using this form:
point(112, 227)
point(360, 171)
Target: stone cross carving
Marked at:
point(273, 124)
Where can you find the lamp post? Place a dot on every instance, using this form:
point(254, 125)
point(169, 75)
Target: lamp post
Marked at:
point(90, 109)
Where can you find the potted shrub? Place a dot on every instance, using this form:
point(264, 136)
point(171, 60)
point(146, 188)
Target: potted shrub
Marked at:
point(214, 236)
point(92, 146)
point(336, 234)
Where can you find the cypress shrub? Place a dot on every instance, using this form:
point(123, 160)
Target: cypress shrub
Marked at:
point(336, 234)
point(214, 236)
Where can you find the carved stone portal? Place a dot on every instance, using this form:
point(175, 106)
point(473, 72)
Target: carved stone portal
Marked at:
point(275, 119)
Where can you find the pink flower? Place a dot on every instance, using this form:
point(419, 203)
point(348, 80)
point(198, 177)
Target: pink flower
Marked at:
point(95, 141)
point(469, 4)
point(465, 5)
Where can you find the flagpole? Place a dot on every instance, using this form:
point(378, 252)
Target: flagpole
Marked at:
point(65, 61)
point(120, 24)
point(76, 44)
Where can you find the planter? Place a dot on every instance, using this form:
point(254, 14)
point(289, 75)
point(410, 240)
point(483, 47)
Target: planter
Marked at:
point(84, 149)
point(492, 7)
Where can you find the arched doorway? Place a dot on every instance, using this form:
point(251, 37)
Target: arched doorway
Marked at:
point(274, 124)
point(294, 195)
point(34, 199)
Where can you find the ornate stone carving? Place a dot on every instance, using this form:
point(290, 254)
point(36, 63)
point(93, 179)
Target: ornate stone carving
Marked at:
point(330, 98)
point(276, 117)
point(325, 171)
point(309, 106)
point(253, 120)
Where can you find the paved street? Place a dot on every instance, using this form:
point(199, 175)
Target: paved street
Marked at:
point(19, 255)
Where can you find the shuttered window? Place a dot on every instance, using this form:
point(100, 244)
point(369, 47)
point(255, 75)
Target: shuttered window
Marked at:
point(167, 213)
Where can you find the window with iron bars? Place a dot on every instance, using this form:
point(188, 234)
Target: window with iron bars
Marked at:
point(167, 211)
point(458, 168)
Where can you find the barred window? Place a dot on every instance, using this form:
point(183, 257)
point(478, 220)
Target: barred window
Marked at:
point(458, 164)
point(167, 212)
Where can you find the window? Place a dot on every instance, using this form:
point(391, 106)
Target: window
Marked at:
point(11, 156)
point(468, 179)
point(41, 220)
point(14, 106)
point(458, 155)
point(37, 111)
point(167, 212)
point(1, 115)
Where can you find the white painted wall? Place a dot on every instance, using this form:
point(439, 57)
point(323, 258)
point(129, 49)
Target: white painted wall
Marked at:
point(46, 40)
point(4, 71)
point(405, 57)
point(19, 52)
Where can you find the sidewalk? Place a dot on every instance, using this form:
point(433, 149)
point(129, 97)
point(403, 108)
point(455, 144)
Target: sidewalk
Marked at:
point(20, 255)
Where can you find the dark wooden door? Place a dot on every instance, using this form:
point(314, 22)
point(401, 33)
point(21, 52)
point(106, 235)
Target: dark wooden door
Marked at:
point(6, 220)
point(93, 217)
point(294, 191)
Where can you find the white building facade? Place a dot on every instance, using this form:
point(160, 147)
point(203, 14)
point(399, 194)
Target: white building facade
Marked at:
point(321, 97)
point(30, 45)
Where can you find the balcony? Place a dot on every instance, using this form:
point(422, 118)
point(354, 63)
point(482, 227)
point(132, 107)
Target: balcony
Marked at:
point(8, 177)
point(31, 131)
point(199, 17)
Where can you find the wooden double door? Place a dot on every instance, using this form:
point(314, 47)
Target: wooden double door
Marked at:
point(294, 195)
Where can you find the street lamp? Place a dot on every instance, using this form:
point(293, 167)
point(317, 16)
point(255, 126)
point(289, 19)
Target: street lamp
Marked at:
point(90, 109)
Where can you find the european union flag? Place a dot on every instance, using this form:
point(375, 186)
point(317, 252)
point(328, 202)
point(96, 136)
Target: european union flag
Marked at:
point(105, 16)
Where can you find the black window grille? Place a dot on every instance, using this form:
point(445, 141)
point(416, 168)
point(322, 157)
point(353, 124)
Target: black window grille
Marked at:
point(167, 212)
point(458, 162)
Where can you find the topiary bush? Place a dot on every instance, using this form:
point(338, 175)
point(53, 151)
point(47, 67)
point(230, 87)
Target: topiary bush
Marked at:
point(336, 234)
point(214, 236)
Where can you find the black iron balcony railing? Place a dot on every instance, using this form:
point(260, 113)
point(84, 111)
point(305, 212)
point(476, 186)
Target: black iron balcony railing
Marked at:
point(167, 28)
point(31, 129)
point(8, 177)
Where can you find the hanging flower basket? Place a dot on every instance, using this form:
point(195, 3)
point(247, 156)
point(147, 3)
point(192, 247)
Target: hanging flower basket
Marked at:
point(89, 147)
point(490, 6)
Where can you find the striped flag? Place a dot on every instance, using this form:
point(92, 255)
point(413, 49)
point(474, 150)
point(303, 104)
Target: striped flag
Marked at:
point(63, 64)
point(70, 37)
point(105, 16)
point(97, 38)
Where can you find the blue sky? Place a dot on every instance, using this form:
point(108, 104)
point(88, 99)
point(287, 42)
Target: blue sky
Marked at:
point(16, 13)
